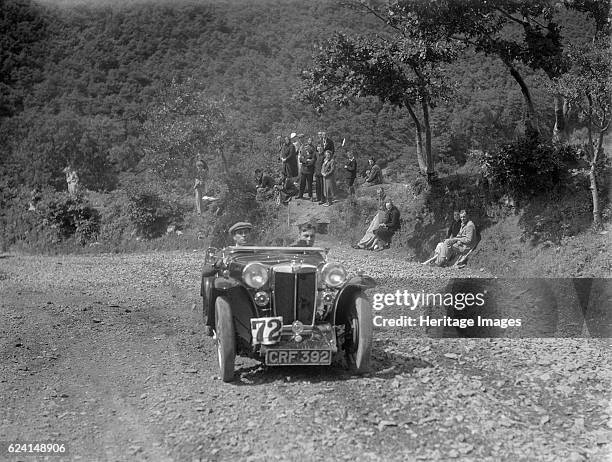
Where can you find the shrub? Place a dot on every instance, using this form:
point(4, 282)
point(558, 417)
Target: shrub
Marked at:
point(525, 167)
point(151, 215)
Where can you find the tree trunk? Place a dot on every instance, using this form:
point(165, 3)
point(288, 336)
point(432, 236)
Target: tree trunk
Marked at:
point(560, 129)
point(530, 119)
point(419, 140)
point(429, 161)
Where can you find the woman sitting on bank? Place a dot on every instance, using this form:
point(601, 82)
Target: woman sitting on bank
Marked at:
point(388, 227)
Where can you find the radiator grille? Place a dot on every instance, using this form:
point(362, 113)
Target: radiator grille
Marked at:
point(294, 296)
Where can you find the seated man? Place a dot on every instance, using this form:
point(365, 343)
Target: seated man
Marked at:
point(374, 174)
point(286, 189)
point(307, 234)
point(388, 227)
point(264, 184)
point(458, 247)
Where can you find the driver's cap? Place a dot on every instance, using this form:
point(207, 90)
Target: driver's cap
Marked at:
point(240, 225)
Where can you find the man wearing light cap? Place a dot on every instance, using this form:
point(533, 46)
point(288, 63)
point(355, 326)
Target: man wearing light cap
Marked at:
point(241, 233)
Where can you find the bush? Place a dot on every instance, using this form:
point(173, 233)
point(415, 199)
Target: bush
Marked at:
point(71, 216)
point(526, 167)
point(151, 215)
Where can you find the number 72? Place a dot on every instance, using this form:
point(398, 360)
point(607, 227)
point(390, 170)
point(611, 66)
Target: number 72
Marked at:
point(266, 330)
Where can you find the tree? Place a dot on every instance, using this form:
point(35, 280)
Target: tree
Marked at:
point(401, 67)
point(587, 87)
point(490, 27)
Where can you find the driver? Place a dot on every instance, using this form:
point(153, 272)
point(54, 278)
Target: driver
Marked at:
point(241, 233)
point(306, 236)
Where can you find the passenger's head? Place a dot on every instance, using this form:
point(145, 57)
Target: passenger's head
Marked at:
point(456, 215)
point(463, 215)
point(307, 234)
point(241, 232)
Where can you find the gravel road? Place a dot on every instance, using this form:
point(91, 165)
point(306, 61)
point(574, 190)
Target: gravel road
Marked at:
point(106, 354)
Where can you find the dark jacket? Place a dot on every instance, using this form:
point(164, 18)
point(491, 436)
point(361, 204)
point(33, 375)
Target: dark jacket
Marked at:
point(392, 219)
point(328, 145)
point(308, 158)
point(351, 168)
point(287, 153)
point(453, 229)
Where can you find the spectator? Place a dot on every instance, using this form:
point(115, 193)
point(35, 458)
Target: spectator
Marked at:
point(455, 226)
point(351, 173)
point(328, 172)
point(199, 186)
point(307, 160)
point(286, 189)
point(288, 157)
point(388, 227)
point(369, 239)
point(374, 174)
point(318, 178)
point(297, 141)
point(72, 179)
point(264, 184)
point(327, 143)
point(459, 247)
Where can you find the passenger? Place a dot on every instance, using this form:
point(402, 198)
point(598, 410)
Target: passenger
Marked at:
point(307, 235)
point(388, 227)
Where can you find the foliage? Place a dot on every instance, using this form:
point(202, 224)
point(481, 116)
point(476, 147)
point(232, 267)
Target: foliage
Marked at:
point(150, 214)
point(525, 167)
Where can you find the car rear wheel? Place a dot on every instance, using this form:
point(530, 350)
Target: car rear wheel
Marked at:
point(226, 338)
point(358, 345)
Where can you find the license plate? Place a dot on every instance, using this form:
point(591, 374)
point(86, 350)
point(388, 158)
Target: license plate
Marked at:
point(297, 357)
point(266, 331)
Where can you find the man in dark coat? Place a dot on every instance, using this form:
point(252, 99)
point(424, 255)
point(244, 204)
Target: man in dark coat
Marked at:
point(320, 158)
point(351, 173)
point(388, 227)
point(307, 161)
point(288, 157)
point(327, 143)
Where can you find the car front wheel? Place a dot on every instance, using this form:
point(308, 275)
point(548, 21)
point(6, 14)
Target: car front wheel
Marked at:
point(226, 338)
point(358, 345)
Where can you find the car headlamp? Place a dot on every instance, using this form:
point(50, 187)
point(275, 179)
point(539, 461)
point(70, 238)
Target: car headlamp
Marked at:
point(333, 274)
point(255, 275)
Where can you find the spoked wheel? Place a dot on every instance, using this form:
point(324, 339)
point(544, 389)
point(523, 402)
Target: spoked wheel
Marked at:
point(226, 338)
point(358, 345)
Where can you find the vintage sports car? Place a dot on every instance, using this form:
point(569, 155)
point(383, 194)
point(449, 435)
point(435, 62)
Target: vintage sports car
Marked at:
point(285, 306)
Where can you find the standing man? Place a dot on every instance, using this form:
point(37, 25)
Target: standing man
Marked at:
point(351, 173)
point(328, 170)
point(72, 179)
point(327, 143)
point(297, 141)
point(199, 185)
point(307, 162)
point(288, 157)
point(318, 178)
point(306, 235)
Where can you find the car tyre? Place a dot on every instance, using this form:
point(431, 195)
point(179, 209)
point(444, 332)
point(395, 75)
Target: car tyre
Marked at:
point(226, 338)
point(359, 328)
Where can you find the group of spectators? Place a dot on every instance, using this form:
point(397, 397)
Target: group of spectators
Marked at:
point(315, 167)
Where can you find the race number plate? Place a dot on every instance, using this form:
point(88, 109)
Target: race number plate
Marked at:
point(266, 331)
point(298, 357)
